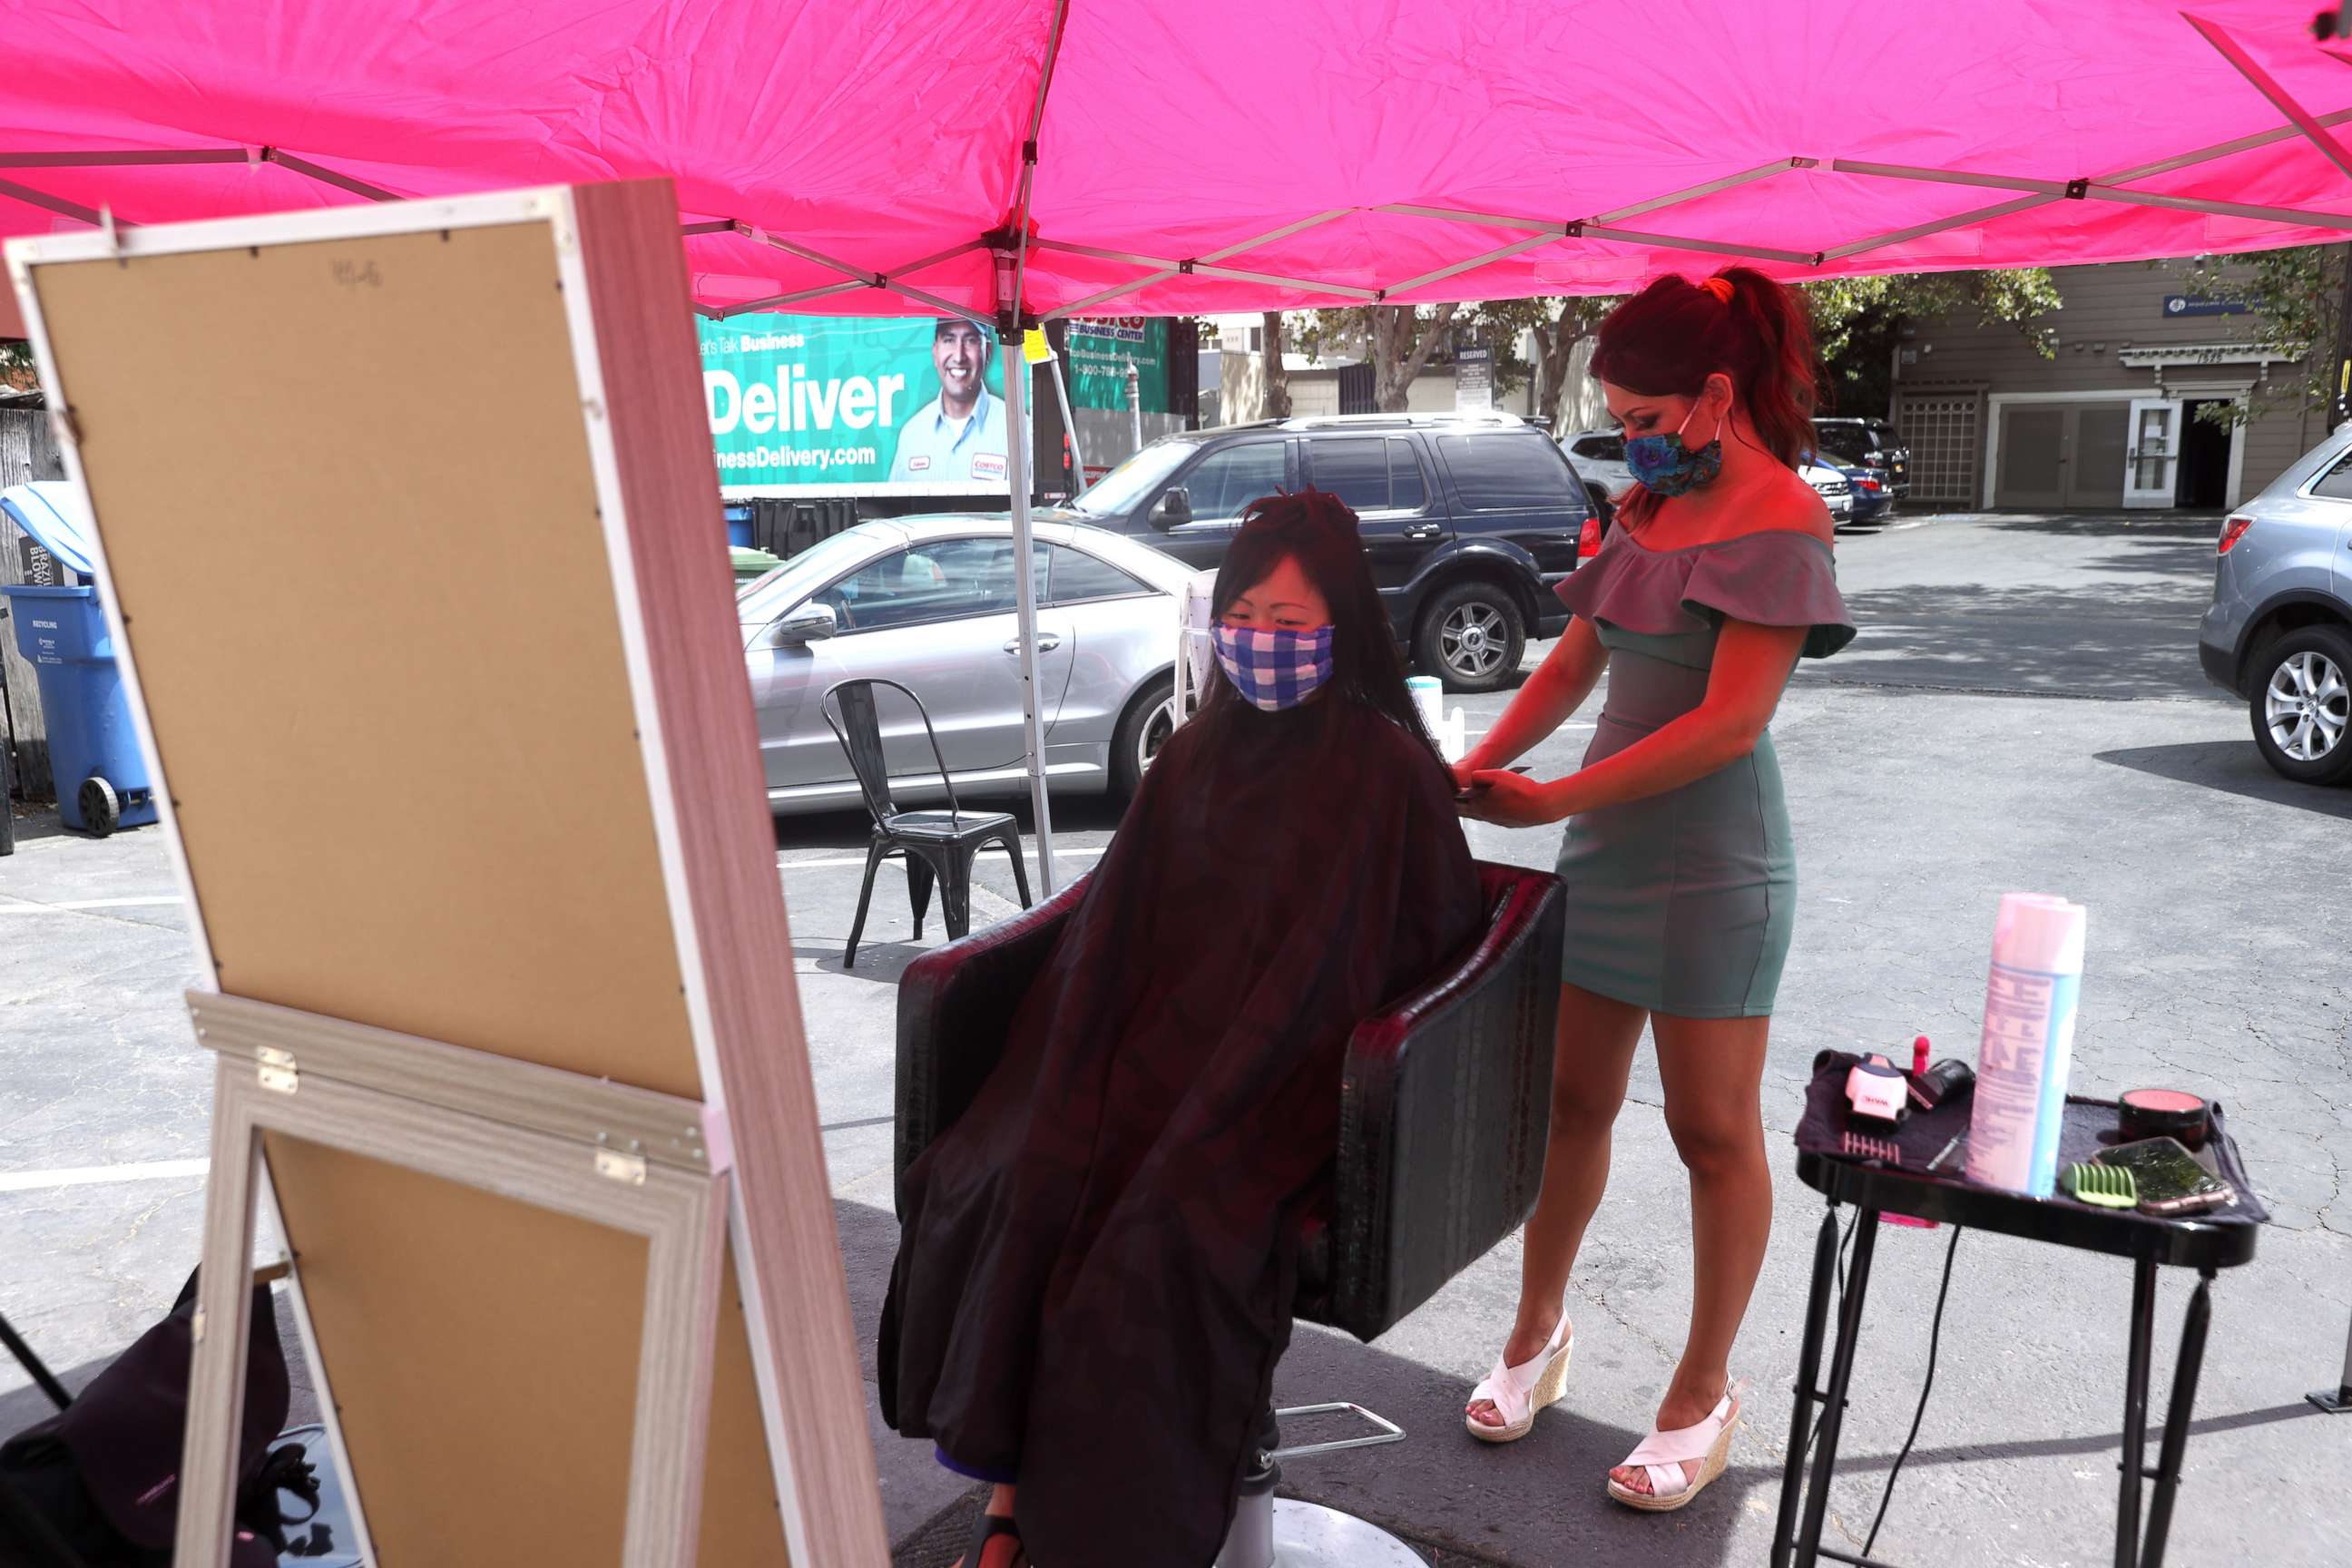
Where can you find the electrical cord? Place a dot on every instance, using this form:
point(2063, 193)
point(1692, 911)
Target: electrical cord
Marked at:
point(1935, 1345)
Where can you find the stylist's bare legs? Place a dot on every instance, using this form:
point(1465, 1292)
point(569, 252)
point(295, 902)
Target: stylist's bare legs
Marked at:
point(1712, 1071)
point(1590, 1063)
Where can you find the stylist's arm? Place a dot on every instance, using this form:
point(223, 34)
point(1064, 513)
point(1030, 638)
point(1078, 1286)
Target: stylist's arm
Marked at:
point(1751, 666)
point(1548, 699)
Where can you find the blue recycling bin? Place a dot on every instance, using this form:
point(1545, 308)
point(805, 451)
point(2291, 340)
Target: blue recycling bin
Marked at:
point(738, 527)
point(93, 748)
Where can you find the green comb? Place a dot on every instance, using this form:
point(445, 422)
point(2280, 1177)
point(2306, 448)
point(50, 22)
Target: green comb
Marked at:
point(2105, 1186)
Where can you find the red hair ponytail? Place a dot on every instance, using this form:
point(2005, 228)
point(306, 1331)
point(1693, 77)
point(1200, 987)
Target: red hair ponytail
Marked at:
point(1667, 340)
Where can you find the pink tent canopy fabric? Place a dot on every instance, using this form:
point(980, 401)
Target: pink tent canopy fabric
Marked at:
point(853, 155)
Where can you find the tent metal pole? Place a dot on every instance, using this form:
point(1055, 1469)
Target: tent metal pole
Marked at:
point(2341, 223)
point(1533, 242)
point(326, 176)
point(1597, 230)
point(1205, 270)
point(1069, 426)
point(773, 301)
point(2101, 191)
point(124, 160)
point(2219, 150)
point(1615, 215)
point(1692, 194)
point(869, 279)
point(1078, 307)
point(1937, 225)
point(1024, 587)
point(1012, 280)
point(1705, 247)
point(2247, 66)
point(48, 203)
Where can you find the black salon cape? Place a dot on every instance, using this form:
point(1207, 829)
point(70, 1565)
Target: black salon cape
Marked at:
point(1096, 1263)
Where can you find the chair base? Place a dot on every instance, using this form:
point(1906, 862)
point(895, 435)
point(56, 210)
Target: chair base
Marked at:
point(1282, 1533)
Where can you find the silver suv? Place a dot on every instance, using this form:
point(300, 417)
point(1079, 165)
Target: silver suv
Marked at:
point(2280, 632)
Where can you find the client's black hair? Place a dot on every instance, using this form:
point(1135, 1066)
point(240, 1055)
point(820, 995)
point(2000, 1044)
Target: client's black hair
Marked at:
point(1316, 529)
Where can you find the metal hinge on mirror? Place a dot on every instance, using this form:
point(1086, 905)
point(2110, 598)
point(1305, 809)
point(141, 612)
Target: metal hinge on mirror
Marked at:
point(629, 1169)
point(277, 1071)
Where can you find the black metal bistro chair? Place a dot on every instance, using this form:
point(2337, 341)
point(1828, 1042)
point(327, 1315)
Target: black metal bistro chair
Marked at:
point(1444, 1105)
point(938, 846)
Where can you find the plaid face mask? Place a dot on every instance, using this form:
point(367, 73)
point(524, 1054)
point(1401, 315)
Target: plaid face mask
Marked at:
point(1273, 669)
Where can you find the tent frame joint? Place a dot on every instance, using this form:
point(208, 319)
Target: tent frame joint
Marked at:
point(2078, 190)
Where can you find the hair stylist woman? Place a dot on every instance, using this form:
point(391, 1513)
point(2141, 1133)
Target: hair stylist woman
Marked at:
point(1680, 874)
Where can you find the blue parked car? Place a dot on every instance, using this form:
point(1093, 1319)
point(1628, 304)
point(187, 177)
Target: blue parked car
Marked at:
point(1874, 496)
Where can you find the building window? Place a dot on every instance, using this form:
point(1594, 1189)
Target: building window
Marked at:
point(1258, 340)
point(1941, 432)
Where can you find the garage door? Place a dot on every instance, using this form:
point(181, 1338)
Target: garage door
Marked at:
point(2060, 455)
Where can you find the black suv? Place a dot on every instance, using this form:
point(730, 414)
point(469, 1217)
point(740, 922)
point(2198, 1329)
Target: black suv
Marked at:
point(1470, 519)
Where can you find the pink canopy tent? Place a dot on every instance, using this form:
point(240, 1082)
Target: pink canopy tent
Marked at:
point(856, 155)
point(1015, 159)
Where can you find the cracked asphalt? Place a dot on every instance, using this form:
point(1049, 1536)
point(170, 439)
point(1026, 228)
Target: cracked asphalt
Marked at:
point(2023, 711)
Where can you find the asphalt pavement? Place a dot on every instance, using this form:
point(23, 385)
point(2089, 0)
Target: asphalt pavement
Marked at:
point(2023, 710)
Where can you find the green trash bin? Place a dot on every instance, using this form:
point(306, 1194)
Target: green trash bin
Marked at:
point(751, 563)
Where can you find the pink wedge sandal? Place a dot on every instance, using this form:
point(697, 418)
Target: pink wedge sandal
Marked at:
point(1664, 1454)
point(1519, 1391)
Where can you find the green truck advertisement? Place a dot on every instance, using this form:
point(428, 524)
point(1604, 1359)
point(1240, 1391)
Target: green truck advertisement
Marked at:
point(887, 406)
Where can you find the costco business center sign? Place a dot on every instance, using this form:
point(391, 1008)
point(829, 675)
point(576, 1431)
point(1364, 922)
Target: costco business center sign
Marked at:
point(818, 403)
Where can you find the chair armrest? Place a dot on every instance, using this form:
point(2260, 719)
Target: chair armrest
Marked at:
point(955, 1004)
point(1444, 1111)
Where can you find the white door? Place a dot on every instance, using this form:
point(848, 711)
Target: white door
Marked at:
point(2152, 453)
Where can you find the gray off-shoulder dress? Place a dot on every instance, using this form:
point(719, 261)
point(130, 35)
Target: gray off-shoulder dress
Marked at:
point(1684, 903)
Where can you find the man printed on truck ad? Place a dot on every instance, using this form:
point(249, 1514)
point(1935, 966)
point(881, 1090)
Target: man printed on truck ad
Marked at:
point(959, 434)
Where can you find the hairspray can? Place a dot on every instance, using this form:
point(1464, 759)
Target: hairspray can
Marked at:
point(2028, 1045)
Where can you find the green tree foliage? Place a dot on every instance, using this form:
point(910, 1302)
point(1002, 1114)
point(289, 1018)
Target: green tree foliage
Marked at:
point(2296, 299)
point(1859, 322)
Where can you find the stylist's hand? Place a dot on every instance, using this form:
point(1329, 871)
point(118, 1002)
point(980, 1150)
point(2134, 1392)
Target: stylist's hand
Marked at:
point(1509, 800)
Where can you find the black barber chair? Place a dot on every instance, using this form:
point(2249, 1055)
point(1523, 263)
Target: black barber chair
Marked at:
point(1444, 1105)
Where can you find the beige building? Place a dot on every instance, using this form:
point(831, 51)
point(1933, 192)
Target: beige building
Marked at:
point(2112, 421)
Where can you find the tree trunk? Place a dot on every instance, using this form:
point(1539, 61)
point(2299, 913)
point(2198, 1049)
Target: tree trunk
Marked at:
point(1401, 347)
point(1555, 347)
point(1275, 405)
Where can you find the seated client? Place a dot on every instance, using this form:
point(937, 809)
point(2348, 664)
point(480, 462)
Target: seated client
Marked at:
point(1096, 1262)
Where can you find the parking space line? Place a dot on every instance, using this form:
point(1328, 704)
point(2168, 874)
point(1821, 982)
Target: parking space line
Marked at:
point(34, 906)
point(97, 1176)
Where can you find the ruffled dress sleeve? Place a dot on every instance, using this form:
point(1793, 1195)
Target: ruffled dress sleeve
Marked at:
point(1775, 578)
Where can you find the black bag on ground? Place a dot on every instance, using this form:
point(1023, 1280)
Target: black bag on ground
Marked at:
point(97, 1486)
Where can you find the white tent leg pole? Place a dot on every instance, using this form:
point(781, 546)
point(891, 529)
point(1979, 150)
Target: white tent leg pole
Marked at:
point(1070, 426)
point(1025, 581)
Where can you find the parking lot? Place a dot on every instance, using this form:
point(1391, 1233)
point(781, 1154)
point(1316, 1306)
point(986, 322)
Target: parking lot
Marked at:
point(2023, 710)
